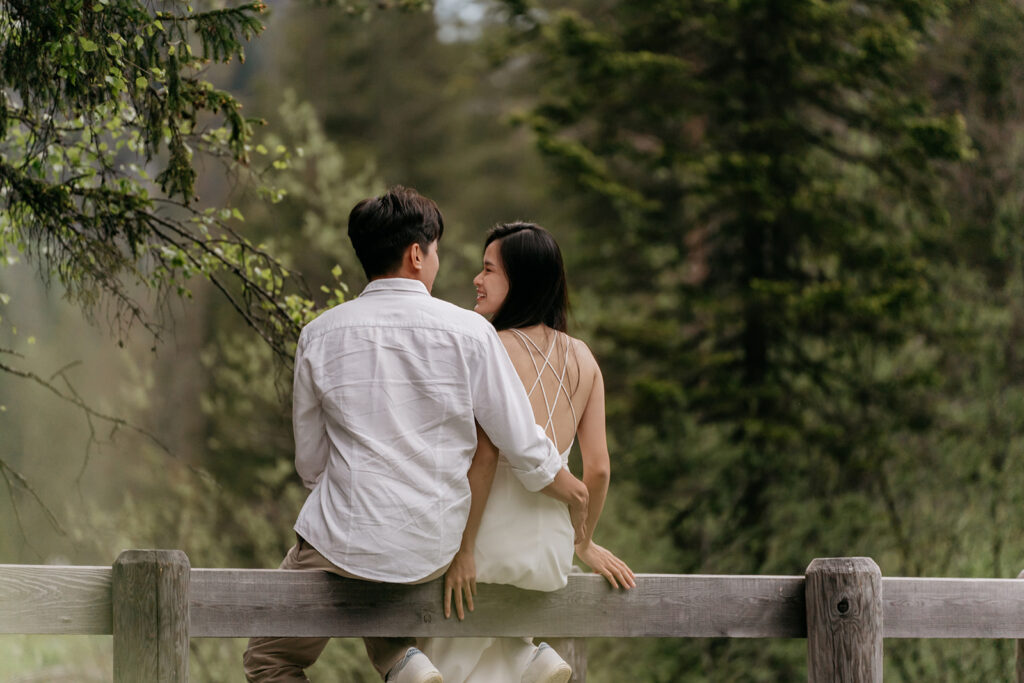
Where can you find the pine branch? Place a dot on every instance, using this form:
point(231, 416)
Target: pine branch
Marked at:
point(19, 479)
point(75, 400)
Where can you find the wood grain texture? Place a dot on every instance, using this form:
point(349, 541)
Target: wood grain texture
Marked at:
point(150, 590)
point(238, 603)
point(844, 621)
point(953, 608)
point(572, 650)
point(47, 599)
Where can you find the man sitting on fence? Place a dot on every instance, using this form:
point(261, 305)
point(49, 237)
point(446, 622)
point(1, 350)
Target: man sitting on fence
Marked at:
point(389, 388)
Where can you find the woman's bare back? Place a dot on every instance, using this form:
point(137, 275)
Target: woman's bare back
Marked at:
point(558, 372)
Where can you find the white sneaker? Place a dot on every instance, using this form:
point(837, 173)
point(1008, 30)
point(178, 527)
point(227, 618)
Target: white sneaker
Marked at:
point(414, 667)
point(545, 666)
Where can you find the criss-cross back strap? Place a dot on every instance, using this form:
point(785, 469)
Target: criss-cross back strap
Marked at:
point(532, 346)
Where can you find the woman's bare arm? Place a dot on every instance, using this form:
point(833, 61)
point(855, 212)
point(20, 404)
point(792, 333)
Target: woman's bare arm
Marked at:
point(593, 441)
point(594, 451)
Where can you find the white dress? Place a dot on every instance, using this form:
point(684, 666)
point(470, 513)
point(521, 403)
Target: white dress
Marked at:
point(526, 540)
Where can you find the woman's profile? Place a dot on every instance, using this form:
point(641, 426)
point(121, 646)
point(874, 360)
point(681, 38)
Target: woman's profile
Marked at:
point(514, 536)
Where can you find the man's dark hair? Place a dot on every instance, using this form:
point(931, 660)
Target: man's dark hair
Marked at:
point(382, 228)
point(537, 290)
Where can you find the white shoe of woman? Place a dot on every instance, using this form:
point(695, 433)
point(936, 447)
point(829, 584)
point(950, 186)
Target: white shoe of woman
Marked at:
point(545, 666)
point(414, 667)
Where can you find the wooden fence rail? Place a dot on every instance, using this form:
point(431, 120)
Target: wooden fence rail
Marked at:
point(152, 602)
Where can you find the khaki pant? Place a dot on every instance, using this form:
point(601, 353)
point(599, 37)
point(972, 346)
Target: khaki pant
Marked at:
point(283, 660)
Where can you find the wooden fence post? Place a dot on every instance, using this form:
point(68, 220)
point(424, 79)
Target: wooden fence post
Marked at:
point(1020, 651)
point(150, 616)
point(573, 651)
point(844, 620)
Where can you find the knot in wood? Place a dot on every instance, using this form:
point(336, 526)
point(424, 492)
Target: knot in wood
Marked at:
point(843, 606)
point(427, 617)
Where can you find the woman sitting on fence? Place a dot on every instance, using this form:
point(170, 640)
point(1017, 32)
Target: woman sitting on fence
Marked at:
point(514, 536)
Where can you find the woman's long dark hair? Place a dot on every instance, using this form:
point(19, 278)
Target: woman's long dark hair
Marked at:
point(537, 290)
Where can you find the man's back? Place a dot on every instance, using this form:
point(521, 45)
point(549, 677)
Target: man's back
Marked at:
point(386, 387)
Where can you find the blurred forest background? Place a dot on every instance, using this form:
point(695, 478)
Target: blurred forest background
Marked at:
point(794, 241)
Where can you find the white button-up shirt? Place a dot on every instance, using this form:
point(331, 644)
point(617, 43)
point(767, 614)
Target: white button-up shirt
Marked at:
point(387, 387)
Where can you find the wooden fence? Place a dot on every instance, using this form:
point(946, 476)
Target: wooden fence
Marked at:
point(152, 602)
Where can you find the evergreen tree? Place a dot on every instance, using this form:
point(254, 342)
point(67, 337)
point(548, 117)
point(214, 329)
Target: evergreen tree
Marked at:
point(766, 183)
point(958, 487)
point(773, 176)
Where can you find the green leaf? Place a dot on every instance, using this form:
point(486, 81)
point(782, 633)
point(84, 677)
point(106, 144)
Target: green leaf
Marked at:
point(87, 44)
point(141, 82)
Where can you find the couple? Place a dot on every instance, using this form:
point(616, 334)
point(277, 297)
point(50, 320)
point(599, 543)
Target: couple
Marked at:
point(402, 404)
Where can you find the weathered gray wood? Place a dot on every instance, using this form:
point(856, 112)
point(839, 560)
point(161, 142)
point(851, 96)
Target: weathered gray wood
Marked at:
point(150, 595)
point(234, 603)
point(844, 621)
point(47, 599)
point(51, 599)
point(953, 608)
point(573, 651)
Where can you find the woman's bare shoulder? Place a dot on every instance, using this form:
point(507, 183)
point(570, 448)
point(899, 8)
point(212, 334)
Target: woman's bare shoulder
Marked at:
point(587, 360)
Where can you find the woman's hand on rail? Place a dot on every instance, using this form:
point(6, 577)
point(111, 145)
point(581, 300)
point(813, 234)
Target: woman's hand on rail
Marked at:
point(604, 562)
point(459, 582)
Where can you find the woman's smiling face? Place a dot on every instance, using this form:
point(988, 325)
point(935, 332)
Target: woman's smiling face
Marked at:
point(491, 283)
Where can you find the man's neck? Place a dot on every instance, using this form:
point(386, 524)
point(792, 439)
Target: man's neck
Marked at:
point(400, 275)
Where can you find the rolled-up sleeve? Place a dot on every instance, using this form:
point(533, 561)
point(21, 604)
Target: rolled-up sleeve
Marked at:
point(503, 410)
point(311, 448)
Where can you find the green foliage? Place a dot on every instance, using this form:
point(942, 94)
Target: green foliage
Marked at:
point(104, 109)
point(793, 232)
point(795, 240)
point(775, 169)
point(364, 8)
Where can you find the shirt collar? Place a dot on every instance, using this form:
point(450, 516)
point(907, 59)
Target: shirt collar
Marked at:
point(395, 284)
